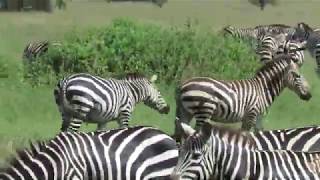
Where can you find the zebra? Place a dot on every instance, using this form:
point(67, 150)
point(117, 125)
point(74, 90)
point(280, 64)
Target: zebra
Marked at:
point(305, 32)
point(205, 155)
point(36, 49)
point(258, 32)
point(240, 100)
point(139, 153)
point(92, 99)
point(273, 45)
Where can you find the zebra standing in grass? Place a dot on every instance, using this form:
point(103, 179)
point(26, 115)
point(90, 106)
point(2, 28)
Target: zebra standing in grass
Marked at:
point(305, 32)
point(240, 100)
point(273, 45)
point(84, 97)
point(205, 155)
point(36, 49)
point(137, 153)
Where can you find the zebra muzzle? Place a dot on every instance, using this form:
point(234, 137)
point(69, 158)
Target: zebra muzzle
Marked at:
point(165, 110)
point(306, 97)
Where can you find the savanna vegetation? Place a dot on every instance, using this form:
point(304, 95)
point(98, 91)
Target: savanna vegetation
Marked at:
point(176, 42)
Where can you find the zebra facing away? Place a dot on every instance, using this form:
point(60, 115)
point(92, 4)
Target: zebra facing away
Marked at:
point(137, 153)
point(239, 100)
point(205, 155)
point(88, 98)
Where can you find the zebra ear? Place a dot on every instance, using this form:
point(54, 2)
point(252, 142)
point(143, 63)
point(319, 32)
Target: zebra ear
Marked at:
point(188, 130)
point(153, 78)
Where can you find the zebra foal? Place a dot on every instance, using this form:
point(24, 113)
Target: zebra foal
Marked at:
point(205, 155)
point(137, 153)
point(240, 100)
point(84, 97)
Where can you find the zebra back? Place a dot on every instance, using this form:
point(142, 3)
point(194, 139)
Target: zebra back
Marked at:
point(132, 153)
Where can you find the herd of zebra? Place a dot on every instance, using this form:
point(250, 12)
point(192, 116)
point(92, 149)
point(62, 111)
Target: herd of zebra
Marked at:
point(206, 152)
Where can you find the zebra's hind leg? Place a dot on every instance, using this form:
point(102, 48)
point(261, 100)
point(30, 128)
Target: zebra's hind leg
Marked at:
point(102, 126)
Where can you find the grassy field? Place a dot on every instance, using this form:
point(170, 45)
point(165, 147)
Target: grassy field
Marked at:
point(30, 113)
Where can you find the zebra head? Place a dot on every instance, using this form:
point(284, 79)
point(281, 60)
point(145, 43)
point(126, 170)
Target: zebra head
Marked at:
point(192, 162)
point(154, 98)
point(297, 83)
point(302, 32)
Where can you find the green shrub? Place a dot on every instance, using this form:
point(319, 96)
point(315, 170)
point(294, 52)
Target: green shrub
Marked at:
point(128, 46)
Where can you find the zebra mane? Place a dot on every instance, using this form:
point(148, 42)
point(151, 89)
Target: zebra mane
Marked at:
point(133, 76)
point(25, 153)
point(273, 25)
point(222, 131)
point(279, 58)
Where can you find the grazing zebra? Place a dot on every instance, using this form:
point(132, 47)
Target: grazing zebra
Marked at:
point(305, 32)
point(278, 44)
point(137, 153)
point(36, 49)
point(84, 97)
point(258, 32)
point(240, 100)
point(297, 139)
point(205, 155)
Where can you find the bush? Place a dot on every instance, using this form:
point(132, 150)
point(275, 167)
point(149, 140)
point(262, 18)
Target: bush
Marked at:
point(128, 46)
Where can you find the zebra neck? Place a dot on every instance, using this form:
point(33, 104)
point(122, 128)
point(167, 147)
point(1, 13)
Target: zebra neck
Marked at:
point(138, 91)
point(271, 85)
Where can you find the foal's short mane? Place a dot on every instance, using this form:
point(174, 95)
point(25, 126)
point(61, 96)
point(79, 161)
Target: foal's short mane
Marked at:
point(273, 25)
point(281, 58)
point(132, 76)
point(237, 133)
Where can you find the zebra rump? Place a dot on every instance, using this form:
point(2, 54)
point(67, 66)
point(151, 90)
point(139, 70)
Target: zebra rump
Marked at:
point(137, 153)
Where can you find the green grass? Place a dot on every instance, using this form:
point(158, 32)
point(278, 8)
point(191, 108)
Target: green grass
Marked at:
point(30, 113)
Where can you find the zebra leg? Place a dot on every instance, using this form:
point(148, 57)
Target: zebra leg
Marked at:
point(102, 126)
point(124, 119)
point(75, 124)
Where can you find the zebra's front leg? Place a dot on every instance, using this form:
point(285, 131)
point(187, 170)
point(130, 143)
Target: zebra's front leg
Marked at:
point(102, 126)
point(75, 124)
point(124, 119)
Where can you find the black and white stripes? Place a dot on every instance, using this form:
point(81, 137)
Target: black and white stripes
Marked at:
point(240, 100)
point(36, 49)
point(205, 155)
point(83, 97)
point(137, 153)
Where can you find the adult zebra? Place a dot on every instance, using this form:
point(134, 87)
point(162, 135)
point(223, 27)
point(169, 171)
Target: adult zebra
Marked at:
point(84, 97)
point(258, 32)
point(36, 49)
point(240, 100)
point(305, 32)
point(205, 155)
point(137, 153)
point(272, 45)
